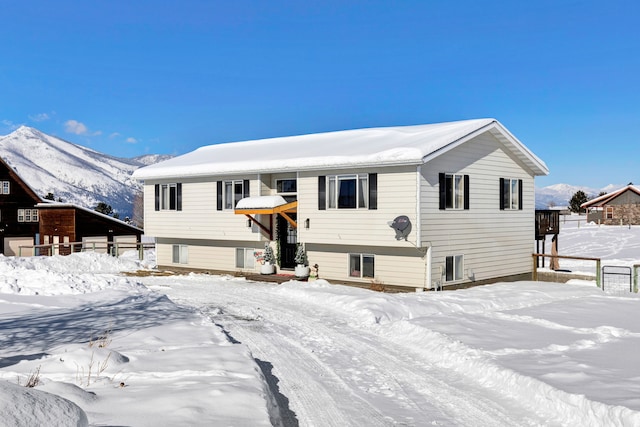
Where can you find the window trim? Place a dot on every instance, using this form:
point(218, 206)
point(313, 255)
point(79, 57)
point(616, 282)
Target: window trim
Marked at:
point(182, 252)
point(332, 189)
point(361, 261)
point(457, 274)
point(449, 200)
point(608, 213)
point(280, 182)
point(222, 193)
point(511, 200)
point(168, 197)
point(28, 215)
point(247, 254)
point(5, 187)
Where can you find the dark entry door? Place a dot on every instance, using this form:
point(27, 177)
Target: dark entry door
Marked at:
point(288, 237)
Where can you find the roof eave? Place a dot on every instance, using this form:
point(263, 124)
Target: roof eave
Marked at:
point(537, 166)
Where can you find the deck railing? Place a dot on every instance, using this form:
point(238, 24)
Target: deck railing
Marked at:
point(596, 260)
point(67, 248)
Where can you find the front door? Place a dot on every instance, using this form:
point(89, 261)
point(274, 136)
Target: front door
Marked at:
point(288, 238)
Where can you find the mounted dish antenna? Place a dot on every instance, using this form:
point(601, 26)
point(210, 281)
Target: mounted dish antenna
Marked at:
point(402, 225)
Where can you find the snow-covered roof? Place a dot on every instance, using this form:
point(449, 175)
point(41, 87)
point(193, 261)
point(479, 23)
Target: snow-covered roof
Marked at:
point(606, 198)
point(261, 202)
point(54, 204)
point(388, 146)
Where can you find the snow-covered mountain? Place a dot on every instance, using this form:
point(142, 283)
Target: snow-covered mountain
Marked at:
point(560, 194)
point(73, 173)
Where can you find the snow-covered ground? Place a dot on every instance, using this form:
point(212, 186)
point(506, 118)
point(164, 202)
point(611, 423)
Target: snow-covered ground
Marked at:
point(109, 349)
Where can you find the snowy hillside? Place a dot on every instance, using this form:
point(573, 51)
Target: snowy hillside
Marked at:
point(560, 194)
point(71, 172)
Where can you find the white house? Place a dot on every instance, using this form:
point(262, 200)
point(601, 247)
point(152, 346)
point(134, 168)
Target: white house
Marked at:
point(416, 206)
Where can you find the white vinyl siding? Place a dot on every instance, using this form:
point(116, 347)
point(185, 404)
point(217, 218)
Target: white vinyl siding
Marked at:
point(199, 218)
point(495, 243)
point(396, 195)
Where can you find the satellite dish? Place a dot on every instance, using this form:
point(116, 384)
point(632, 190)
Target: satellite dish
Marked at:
point(402, 225)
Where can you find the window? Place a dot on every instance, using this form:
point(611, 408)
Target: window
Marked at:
point(348, 191)
point(180, 254)
point(510, 194)
point(609, 212)
point(286, 185)
point(5, 187)
point(453, 268)
point(245, 258)
point(168, 197)
point(229, 193)
point(454, 191)
point(361, 265)
point(27, 215)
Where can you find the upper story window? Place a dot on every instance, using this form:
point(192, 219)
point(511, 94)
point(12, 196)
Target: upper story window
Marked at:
point(27, 215)
point(5, 187)
point(454, 191)
point(356, 191)
point(510, 194)
point(286, 186)
point(168, 197)
point(229, 193)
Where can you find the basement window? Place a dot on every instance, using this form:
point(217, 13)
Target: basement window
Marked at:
point(245, 258)
point(453, 268)
point(362, 265)
point(180, 254)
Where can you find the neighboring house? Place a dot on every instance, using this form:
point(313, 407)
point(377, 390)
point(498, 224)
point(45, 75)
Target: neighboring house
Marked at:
point(26, 220)
point(459, 196)
point(66, 223)
point(19, 220)
point(618, 207)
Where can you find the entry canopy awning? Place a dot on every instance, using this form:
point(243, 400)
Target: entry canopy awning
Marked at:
point(261, 205)
point(267, 205)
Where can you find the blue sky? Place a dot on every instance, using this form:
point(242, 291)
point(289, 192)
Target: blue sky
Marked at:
point(135, 77)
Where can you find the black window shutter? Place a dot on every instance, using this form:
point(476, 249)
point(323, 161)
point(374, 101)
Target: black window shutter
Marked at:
point(466, 192)
point(157, 198)
point(322, 193)
point(373, 191)
point(520, 194)
point(501, 194)
point(179, 196)
point(245, 188)
point(443, 190)
point(219, 195)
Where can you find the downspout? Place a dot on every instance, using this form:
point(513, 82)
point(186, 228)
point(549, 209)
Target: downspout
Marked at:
point(418, 213)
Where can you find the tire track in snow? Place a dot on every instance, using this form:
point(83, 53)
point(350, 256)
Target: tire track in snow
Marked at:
point(380, 374)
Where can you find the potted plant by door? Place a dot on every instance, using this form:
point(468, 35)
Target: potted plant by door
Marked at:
point(302, 267)
point(267, 266)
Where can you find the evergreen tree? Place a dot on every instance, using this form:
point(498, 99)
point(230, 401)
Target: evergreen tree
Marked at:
point(49, 196)
point(578, 198)
point(103, 208)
